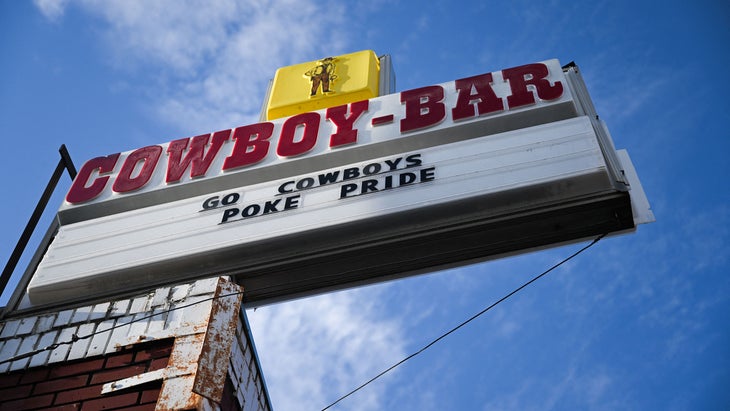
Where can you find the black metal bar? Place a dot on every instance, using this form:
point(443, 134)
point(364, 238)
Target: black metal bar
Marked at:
point(66, 158)
point(24, 280)
point(64, 163)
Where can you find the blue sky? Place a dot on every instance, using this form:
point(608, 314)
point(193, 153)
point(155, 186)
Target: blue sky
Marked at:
point(638, 322)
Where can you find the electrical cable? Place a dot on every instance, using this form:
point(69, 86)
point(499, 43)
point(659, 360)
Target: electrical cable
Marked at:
point(75, 338)
point(444, 335)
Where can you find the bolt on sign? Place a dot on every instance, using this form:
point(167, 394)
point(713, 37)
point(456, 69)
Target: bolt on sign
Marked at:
point(322, 197)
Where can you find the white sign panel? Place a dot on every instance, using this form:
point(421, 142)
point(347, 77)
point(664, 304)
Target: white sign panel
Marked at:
point(248, 230)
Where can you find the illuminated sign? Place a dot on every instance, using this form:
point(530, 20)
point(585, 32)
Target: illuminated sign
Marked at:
point(329, 82)
point(362, 192)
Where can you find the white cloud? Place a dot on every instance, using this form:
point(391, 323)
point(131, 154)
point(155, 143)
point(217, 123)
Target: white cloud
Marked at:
point(175, 35)
point(316, 349)
point(51, 9)
point(210, 61)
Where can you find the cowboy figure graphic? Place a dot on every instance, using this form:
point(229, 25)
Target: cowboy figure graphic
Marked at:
point(322, 73)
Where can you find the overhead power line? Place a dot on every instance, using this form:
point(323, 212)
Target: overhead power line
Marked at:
point(75, 338)
point(475, 316)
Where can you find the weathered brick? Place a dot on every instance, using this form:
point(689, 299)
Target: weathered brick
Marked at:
point(63, 318)
point(204, 286)
point(28, 345)
point(159, 364)
point(119, 334)
point(9, 349)
point(61, 384)
point(179, 292)
point(34, 375)
point(142, 356)
point(158, 349)
point(10, 328)
point(9, 380)
point(81, 367)
point(163, 350)
point(65, 407)
point(59, 353)
point(45, 341)
point(119, 360)
point(197, 310)
point(119, 308)
point(81, 315)
point(45, 323)
point(160, 297)
point(99, 311)
point(115, 374)
point(12, 393)
point(26, 325)
point(139, 304)
point(77, 395)
point(138, 327)
point(157, 323)
point(111, 402)
point(79, 347)
point(153, 353)
point(27, 403)
point(99, 341)
point(150, 396)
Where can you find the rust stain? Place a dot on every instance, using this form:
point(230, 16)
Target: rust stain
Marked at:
point(173, 403)
point(176, 393)
point(198, 365)
point(177, 389)
point(216, 351)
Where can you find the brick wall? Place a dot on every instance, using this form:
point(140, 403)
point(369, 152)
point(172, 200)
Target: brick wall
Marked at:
point(77, 385)
point(127, 338)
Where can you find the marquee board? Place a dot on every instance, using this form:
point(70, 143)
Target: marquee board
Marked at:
point(396, 185)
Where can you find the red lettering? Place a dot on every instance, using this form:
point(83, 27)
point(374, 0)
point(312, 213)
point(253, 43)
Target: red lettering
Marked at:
point(346, 133)
point(423, 107)
point(287, 146)
point(252, 145)
point(196, 159)
point(79, 191)
point(530, 74)
point(488, 101)
point(148, 156)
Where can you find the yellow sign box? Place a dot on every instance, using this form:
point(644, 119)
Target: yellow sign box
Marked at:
point(328, 82)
